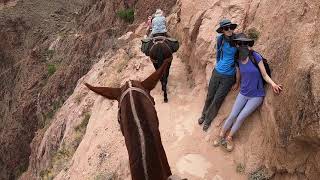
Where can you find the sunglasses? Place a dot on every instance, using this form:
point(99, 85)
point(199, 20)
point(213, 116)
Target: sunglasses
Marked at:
point(226, 28)
point(242, 43)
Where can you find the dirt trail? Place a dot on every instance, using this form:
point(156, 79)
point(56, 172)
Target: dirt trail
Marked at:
point(102, 150)
point(188, 148)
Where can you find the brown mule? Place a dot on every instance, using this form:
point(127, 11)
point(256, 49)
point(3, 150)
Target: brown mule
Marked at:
point(159, 52)
point(140, 126)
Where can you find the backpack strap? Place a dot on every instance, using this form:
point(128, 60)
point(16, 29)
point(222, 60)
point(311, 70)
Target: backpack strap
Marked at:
point(220, 43)
point(265, 64)
point(236, 58)
point(253, 60)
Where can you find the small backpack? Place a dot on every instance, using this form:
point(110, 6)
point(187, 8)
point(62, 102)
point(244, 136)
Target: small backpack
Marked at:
point(265, 63)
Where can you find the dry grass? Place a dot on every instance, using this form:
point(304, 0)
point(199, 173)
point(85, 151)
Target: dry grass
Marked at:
point(78, 98)
point(107, 176)
point(46, 174)
point(259, 174)
point(240, 168)
point(253, 33)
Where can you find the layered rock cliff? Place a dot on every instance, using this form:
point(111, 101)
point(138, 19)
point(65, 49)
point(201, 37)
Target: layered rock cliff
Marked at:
point(46, 46)
point(81, 138)
point(288, 139)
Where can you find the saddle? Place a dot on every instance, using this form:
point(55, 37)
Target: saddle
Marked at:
point(148, 44)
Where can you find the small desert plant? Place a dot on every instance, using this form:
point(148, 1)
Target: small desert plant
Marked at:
point(127, 15)
point(240, 168)
point(253, 33)
point(62, 153)
point(46, 174)
point(78, 99)
point(63, 35)
point(60, 158)
point(51, 69)
point(260, 174)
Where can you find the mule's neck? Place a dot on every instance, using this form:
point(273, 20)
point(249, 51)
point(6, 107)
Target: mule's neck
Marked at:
point(146, 137)
point(141, 134)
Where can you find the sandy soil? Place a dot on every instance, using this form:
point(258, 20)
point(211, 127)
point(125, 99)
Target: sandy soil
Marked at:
point(189, 149)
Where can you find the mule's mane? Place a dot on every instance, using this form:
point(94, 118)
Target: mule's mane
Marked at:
point(137, 121)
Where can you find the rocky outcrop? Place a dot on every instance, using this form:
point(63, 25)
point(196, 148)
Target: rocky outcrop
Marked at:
point(46, 47)
point(288, 37)
point(59, 42)
point(282, 137)
point(23, 73)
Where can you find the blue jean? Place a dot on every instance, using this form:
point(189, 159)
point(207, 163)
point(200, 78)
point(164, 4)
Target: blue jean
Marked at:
point(241, 109)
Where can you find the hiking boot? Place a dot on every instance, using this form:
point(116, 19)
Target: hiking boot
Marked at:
point(228, 145)
point(218, 141)
point(201, 120)
point(205, 127)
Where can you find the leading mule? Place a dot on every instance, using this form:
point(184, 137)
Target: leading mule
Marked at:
point(160, 51)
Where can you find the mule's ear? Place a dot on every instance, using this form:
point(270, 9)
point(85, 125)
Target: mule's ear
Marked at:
point(153, 79)
point(110, 93)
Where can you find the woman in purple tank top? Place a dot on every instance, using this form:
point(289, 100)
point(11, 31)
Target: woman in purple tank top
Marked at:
point(251, 91)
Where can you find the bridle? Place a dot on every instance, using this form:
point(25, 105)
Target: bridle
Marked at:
point(126, 92)
point(131, 88)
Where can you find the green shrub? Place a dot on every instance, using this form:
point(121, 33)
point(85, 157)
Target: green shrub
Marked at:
point(240, 168)
point(46, 174)
point(61, 158)
point(127, 15)
point(62, 153)
point(259, 174)
point(51, 69)
point(253, 33)
point(78, 98)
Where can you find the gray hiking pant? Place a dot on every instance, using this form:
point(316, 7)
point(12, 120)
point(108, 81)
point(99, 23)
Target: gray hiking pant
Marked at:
point(241, 109)
point(219, 87)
